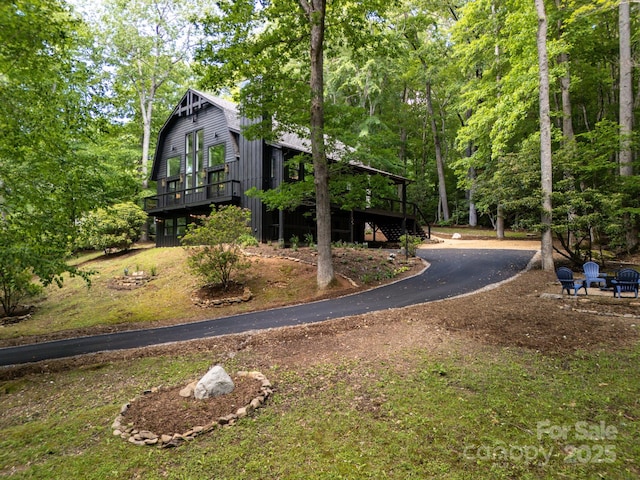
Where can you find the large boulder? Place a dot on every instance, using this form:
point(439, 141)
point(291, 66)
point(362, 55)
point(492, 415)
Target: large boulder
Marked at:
point(216, 382)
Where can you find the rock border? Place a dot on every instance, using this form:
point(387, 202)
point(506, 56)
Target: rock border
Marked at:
point(134, 436)
point(129, 281)
point(246, 296)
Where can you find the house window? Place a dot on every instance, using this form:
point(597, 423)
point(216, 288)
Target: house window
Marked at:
point(194, 164)
point(216, 155)
point(217, 182)
point(172, 192)
point(169, 227)
point(173, 166)
point(175, 227)
point(235, 143)
point(181, 226)
point(198, 159)
point(188, 166)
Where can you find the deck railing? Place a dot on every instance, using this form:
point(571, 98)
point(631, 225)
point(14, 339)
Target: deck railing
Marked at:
point(210, 192)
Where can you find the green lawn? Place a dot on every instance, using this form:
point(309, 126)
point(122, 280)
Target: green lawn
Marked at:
point(491, 414)
point(75, 306)
point(461, 413)
point(482, 232)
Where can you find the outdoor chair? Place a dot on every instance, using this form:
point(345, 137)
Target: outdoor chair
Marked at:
point(565, 276)
point(591, 274)
point(627, 280)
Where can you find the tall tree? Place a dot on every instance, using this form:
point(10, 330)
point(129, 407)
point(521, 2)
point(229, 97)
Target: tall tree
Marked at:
point(316, 15)
point(626, 89)
point(45, 113)
point(626, 111)
point(148, 45)
point(276, 51)
point(546, 169)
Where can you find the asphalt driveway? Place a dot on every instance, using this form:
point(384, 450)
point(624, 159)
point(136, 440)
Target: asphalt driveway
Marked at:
point(452, 272)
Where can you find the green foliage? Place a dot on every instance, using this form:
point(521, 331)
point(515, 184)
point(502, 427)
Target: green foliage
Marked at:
point(308, 240)
point(294, 241)
point(47, 115)
point(348, 190)
point(213, 246)
point(495, 52)
point(16, 285)
point(410, 242)
point(114, 228)
point(590, 198)
point(248, 240)
point(29, 259)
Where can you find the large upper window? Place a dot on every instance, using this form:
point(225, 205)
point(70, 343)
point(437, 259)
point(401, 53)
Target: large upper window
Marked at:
point(194, 164)
point(216, 155)
point(173, 166)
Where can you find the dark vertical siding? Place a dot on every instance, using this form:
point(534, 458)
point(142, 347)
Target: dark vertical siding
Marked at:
point(250, 173)
point(253, 164)
point(212, 120)
point(272, 165)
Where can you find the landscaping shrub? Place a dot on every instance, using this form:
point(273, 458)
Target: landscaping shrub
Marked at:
point(114, 228)
point(213, 245)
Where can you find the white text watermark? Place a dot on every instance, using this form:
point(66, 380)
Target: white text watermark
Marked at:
point(580, 442)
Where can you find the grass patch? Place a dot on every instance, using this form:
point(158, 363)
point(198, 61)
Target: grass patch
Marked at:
point(495, 414)
point(466, 231)
point(167, 297)
point(75, 306)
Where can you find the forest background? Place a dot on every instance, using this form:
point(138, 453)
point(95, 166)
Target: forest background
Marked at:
point(445, 94)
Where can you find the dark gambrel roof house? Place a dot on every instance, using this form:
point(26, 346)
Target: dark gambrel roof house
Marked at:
point(202, 159)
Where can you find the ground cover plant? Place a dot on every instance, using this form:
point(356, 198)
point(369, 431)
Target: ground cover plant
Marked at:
point(517, 386)
point(451, 411)
point(274, 279)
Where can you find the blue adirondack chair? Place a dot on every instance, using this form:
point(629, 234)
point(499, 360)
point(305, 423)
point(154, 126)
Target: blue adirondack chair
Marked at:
point(565, 276)
point(591, 271)
point(627, 280)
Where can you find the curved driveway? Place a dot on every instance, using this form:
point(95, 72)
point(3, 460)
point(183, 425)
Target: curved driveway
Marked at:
point(452, 272)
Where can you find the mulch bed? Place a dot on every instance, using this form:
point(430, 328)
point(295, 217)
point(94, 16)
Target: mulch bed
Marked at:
point(166, 412)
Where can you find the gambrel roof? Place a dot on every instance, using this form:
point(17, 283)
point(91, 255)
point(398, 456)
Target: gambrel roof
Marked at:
point(193, 100)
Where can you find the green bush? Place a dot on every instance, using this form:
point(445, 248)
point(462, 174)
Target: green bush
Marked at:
point(308, 240)
point(294, 241)
point(248, 240)
point(213, 245)
point(114, 228)
point(410, 242)
point(16, 285)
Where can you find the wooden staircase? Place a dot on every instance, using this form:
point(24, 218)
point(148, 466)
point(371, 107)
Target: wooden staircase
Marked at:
point(392, 229)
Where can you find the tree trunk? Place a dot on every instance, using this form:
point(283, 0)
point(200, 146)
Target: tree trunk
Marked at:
point(546, 179)
point(315, 10)
point(471, 175)
point(147, 112)
point(473, 212)
point(567, 114)
point(146, 109)
point(626, 89)
point(500, 222)
point(626, 112)
point(402, 155)
point(442, 186)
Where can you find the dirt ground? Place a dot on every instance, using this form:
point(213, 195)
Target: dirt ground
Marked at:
point(525, 312)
